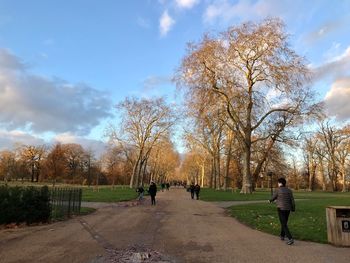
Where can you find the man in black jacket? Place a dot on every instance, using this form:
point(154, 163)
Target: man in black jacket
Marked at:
point(152, 190)
point(197, 189)
point(285, 203)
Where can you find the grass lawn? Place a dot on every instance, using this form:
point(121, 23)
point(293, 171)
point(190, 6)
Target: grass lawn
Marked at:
point(208, 194)
point(307, 223)
point(229, 195)
point(107, 194)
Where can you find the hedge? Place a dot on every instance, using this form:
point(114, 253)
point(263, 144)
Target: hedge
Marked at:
point(24, 205)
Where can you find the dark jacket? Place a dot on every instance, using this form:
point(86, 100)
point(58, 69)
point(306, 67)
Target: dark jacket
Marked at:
point(284, 199)
point(152, 190)
point(140, 190)
point(197, 188)
point(192, 188)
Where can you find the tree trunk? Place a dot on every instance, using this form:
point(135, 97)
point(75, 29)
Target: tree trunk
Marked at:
point(203, 172)
point(247, 180)
point(218, 172)
point(134, 171)
point(212, 173)
point(343, 173)
point(227, 170)
point(312, 172)
point(33, 171)
point(323, 179)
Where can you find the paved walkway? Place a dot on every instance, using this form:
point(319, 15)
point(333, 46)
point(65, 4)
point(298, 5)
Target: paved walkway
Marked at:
point(181, 229)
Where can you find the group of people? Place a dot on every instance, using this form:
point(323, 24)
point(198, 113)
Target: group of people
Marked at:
point(283, 197)
point(152, 190)
point(194, 189)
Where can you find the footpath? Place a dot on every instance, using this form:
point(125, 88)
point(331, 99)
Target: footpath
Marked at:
point(178, 229)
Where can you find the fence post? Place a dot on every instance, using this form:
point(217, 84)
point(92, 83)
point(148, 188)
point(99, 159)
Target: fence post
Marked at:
point(79, 202)
point(69, 201)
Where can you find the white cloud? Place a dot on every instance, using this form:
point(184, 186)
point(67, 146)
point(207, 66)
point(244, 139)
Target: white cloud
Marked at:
point(337, 99)
point(166, 22)
point(225, 11)
point(335, 68)
point(188, 4)
point(96, 146)
point(39, 104)
point(9, 139)
point(152, 82)
point(242, 9)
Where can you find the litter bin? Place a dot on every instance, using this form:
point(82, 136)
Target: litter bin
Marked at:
point(338, 225)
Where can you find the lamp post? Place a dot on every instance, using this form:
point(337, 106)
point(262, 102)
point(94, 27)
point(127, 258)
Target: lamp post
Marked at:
point(269, 174)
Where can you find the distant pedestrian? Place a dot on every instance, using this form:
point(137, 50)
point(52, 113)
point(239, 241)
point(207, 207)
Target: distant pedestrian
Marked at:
point(192, 190)
point(152, 190)
point(285, 203)
point(197, 189)
point(167, 185)
point(140, 191)
point(162, 186)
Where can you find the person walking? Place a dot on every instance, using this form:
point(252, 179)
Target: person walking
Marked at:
point(192, 190)
point(197, 189)
point(152, 190)
point(140, 190)
point(285, 203)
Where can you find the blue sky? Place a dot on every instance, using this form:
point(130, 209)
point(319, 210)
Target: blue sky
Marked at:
point(65, 64)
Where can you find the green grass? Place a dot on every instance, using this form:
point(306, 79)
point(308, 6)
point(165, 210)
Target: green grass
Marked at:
point(107, 194)
point(229, 195)
point(307, 223)
point(208, 194)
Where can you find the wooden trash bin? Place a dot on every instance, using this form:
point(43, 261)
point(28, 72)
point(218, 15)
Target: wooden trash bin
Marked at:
point(338, 225)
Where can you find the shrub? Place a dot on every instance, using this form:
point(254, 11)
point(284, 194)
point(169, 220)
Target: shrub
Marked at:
point(24, 205)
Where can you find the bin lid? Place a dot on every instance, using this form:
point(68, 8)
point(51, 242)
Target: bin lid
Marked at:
point(339, 207)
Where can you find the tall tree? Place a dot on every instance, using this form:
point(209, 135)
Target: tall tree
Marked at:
point(33, 156)
point(55, 163)
point(260, 82)
point(73, 154)
point(143, 124)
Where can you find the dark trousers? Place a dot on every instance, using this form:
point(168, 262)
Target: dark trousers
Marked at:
point(197, 195)
point(153, 199)
point(283, 215)
point(192, 194)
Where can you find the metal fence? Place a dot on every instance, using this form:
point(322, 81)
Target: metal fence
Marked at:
point(65, 202)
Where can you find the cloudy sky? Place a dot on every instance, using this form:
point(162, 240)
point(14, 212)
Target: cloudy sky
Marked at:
point(64, 64)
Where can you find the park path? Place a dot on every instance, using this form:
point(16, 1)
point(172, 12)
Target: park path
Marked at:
point(177, 228)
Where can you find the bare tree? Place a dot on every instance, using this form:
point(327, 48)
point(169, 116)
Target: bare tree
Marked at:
point(143, 124)
point(253, 74)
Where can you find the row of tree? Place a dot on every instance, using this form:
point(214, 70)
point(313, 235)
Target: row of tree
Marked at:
point(139, 150)
point(327, 157)
point(68, 162)
point(247, 95)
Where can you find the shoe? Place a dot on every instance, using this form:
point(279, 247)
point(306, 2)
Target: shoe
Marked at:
point(290, 242)
point(282, 238)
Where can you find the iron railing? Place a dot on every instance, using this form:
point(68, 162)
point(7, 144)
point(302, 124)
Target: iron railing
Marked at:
point(65, 202)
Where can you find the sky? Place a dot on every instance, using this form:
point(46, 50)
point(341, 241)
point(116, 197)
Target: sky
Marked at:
point(65, 64)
